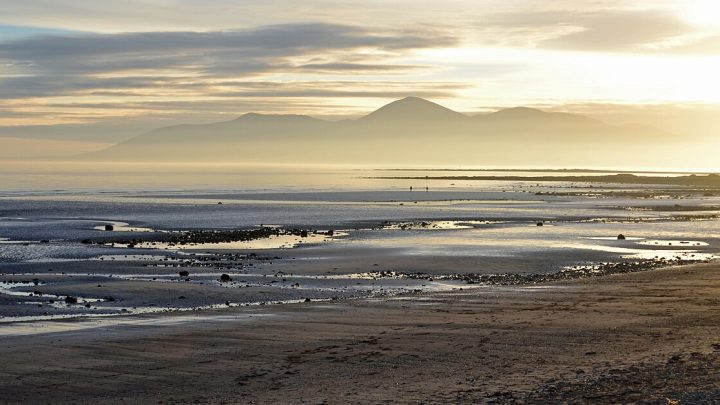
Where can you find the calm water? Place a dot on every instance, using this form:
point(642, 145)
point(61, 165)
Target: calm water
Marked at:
point(470, 227)
point(94, 177)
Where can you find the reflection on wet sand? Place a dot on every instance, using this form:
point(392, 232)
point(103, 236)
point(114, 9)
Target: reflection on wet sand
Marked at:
point(185, 252)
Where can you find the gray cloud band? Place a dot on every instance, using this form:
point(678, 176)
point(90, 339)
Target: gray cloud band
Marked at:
point(53, 65)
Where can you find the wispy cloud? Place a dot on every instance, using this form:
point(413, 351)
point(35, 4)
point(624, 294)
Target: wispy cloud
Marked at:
point(605, 30)
point(59, 63)
point(85, 61)
point(134, 70)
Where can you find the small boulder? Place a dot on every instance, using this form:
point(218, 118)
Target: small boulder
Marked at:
point(184, 273)
point(109, 228)
point(621, 237)
point(71, 300)
point(224, 278)
point(540, 224)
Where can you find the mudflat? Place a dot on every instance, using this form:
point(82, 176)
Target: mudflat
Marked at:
point(651, 336)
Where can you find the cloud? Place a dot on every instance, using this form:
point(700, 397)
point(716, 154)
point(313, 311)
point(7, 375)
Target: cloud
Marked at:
point(221, 99)
point(199, 73)
point(97, 53)
point(618, 31)
point(335, 67)
point(692, 45)
point(603, 30)
point(55, 65)
point(339, 58)
point(54, 85)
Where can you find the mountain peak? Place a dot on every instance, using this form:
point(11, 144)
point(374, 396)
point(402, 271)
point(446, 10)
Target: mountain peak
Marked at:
point(257, 117)
point(520, 112)
point(413, 109)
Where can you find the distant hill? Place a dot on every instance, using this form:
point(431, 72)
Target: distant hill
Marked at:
point(407, 131)
point(411, 110)
point(709, 180)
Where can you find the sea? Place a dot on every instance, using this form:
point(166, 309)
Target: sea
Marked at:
point(101, 234)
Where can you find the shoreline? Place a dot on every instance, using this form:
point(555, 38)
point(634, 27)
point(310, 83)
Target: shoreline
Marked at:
point(710, 181)
point(19, 325)
point(601, 339)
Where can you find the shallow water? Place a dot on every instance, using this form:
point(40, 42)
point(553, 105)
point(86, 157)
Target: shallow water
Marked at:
point(454, 228)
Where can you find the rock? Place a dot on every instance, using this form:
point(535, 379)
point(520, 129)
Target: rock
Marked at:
point(224, 278)
point(307, 300)
point(109, 228)
point(540, 224)
point(71, 300)
point(184, 273)
point(621, 237)
point(182, 297)
point(219, 202)
point(36, 281)
point(86, 242)
point(109, 299)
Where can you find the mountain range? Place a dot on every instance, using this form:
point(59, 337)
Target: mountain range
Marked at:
point(407, 131)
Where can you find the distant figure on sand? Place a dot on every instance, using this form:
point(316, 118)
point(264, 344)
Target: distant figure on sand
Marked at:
point(410, 188)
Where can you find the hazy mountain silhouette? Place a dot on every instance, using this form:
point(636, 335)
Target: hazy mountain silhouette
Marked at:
point(413, 109)
point(526, 114)
point(411, 130)
point(248, 126)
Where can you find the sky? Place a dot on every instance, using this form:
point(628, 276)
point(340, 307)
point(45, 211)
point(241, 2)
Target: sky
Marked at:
point(95, 72)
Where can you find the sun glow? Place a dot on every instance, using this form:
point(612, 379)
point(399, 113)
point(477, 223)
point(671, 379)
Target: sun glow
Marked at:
point(702, 12)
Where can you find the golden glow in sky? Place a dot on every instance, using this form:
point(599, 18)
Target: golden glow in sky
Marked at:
point(151, 63)
point(702, 12)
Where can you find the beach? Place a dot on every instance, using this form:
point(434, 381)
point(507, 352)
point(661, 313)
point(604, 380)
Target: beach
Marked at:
point(649, 336)
point(489, 292)
point(334, 202)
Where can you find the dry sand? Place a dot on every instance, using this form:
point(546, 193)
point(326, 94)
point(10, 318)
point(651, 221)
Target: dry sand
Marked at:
point(652, 336)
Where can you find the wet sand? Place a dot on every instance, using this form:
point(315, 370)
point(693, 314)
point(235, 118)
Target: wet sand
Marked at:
point(651, 336)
